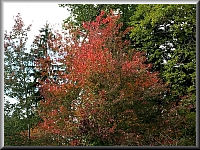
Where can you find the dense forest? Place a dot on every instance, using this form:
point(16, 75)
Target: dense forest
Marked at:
point(117, 75)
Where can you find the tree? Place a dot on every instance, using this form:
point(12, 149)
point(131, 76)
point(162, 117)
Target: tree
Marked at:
point(39, 50)
point(167, 34)
point(104, 96)
point(88, 12)
point(17, 76)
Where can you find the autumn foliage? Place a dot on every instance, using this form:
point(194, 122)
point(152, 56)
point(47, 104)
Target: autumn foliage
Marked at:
point(105, 93)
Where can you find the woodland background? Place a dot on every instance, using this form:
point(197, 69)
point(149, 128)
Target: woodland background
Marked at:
point(118, 74)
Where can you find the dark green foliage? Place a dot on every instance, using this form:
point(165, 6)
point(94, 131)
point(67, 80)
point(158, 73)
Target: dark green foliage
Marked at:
point(15, 123)
point(167, 34)
point(88, 12)
point(39, 50)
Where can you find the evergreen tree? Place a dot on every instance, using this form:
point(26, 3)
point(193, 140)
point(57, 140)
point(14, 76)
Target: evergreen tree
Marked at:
point(39, 51)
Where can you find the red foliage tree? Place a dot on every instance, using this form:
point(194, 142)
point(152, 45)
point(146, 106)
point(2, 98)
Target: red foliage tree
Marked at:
point(106, 94)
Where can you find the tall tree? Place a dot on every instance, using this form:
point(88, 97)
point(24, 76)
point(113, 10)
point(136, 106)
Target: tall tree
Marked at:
point(168, 34)
point(39, 50)
point(103, 91)
point(17, 75)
